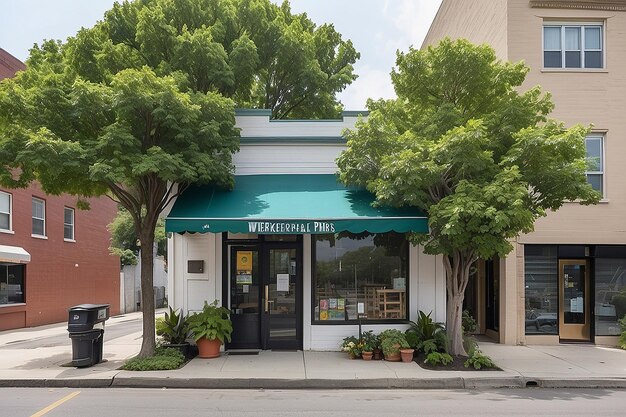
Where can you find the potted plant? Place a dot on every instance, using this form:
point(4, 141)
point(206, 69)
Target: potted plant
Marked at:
point(392, 341)
point(367, 353)
point(352, 346)
point(372, 341)
point(173, 330)
point(210, 328)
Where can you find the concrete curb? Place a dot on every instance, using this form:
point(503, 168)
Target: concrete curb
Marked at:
point(290, 384)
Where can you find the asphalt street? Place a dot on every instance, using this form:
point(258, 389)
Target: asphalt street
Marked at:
point(65, 402)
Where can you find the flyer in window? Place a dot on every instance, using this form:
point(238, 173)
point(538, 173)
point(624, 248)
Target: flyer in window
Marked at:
point(332, 303)
point(341, 304)
point(323, 304)
point(323, 315)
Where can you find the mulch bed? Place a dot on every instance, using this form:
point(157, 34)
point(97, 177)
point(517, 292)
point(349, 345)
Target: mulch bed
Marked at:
point(458, 364)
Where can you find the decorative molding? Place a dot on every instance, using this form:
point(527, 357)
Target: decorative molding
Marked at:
point(610, 5)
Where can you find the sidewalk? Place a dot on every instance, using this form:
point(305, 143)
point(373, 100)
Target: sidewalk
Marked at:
point(26, 364)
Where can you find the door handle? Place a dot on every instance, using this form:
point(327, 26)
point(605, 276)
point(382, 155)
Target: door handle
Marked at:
point(267, 295)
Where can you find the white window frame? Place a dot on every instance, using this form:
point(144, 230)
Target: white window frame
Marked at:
point(600, 137)
point(581, 25)
point(43, 202)
point(10, 213)
point(73, 224)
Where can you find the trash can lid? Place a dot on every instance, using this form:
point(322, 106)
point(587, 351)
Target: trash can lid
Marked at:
point(89, 307)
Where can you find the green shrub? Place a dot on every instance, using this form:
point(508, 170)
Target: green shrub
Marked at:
point(391, 341)
point(173, 328)
point(164, 359)
point(438, 358)
point(427, 335)
point(619, 301)
point(370, 339)
point(478, 360)
point(622, 338)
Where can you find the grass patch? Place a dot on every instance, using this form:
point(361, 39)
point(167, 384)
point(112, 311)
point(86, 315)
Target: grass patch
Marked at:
point(164, 359)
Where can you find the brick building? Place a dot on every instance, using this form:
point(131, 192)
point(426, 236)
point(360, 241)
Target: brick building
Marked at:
point(52, 255)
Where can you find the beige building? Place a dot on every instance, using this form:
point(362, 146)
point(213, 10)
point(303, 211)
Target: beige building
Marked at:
point(566, 281)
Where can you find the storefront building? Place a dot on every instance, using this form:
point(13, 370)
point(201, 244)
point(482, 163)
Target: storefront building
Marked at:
point(298, 258)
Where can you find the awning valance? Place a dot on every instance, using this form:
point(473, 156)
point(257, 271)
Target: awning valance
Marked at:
point(13, 255)
point(287, 204)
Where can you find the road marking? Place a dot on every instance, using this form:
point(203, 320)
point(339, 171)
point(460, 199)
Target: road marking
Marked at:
point(56, 404)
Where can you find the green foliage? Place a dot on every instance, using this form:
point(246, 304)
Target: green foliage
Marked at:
point(352, 345)
point(426, 335)
point(127, 256)
point(164, 359)
point(124, 239)
point(622, 338)
point(212, 323)
point(438, 358)
point(371, 339)
point(468, 322)
point(391, 341)
point(477, 154)
point(477, 360)
point(173, 328)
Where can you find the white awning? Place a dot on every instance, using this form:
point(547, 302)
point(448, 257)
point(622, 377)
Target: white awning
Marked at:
point(14, 255)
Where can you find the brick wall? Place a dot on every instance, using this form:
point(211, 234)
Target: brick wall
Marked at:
point(62, 273)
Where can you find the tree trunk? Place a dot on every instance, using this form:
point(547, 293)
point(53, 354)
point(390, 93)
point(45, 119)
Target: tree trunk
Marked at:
point(454, 325)
point(147, 292)
point(457, 275)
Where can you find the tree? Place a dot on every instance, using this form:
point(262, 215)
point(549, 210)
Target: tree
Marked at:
point(142, 104)
point(462, 143)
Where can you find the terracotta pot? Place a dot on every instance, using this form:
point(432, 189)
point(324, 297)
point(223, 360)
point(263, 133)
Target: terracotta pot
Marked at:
point(208, 348)
point(407, 355)
point(393, 358)
point(367, 356)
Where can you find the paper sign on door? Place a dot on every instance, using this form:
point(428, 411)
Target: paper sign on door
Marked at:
point(282, 282)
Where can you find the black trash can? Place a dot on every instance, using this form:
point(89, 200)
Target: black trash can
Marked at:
point(86, 328)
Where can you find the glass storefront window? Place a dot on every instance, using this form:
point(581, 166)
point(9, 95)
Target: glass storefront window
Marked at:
point(610, 288)
point(371, 269)
point(541, 271)
point(11, 284)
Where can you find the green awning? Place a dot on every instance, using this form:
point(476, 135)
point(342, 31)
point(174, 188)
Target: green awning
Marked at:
point(287, 204)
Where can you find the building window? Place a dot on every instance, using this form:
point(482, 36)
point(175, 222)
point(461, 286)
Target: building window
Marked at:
point(367, 269)
point(541, 282)
point(5, 211)
point(39, 217)
point(68, 223)
point(610, 288)
point(595, 162)
point(11, 284)
point(573, 46)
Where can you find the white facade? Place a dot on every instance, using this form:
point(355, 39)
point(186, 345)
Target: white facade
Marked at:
point(292, 147)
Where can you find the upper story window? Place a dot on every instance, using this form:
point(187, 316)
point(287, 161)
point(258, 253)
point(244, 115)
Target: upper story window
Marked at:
point(5, 211)
point(595, 162)
point(573, 46)
point(39, 217)
point(68, 223)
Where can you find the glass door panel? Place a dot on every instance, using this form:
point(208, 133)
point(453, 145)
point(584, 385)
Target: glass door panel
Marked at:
point(574, 323)
point(245, 306)
point(281, 296)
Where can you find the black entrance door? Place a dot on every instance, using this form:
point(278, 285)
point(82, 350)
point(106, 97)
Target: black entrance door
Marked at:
point(266, 296)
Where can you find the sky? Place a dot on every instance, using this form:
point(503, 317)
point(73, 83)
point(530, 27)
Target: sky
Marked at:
point(378, 28)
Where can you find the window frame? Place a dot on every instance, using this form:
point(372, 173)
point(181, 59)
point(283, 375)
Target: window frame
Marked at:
point(10, 213)
point(562, 25)
point(601, 138)
point(73, 224)
point(33, 234)
point(352, 322)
